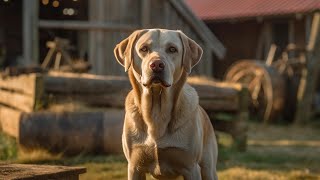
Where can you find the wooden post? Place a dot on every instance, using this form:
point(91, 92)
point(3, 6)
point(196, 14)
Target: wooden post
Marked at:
point(145, 13)
point(308, 85)
point(209, 62)
point(30, 32)
point(291, 36)
point(268, 39)
point(96, 38)
point(241, 125)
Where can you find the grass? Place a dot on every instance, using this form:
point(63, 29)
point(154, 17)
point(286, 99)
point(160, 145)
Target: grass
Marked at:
point(274, 152)
point(8, 147)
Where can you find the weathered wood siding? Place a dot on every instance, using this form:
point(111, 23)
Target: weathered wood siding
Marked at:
point(145, 14)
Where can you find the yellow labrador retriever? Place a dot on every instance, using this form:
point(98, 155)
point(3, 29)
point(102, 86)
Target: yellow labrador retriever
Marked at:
point(166, 133)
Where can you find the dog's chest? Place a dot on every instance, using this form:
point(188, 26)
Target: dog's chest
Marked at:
point(161, 162)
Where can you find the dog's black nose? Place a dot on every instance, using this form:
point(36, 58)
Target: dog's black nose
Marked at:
point(157, 66)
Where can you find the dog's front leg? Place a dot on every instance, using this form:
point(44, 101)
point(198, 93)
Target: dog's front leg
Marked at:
point(134, 174)
point(193, 174)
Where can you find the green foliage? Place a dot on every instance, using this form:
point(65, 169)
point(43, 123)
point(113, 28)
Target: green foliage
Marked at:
point(8, 148)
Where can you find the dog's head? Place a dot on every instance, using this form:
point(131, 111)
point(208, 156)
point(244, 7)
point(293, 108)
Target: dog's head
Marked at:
point(158, 56)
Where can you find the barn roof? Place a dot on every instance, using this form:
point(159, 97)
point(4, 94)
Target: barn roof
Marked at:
point(200, 28)
point(235, 9)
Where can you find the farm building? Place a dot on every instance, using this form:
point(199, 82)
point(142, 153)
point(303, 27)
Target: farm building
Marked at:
point(272, 45)
point(247, 28)
point(40, 107)
point(93, 28)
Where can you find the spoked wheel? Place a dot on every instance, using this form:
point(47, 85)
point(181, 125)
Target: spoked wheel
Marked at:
point(265, 84)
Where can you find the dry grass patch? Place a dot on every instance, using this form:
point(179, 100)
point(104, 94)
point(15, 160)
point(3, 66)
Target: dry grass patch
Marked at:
point(274, 152)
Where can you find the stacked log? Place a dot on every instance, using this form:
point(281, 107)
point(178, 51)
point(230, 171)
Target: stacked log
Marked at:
point(97, 125)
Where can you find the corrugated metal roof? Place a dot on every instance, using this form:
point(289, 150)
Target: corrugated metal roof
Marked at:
point(234, 9)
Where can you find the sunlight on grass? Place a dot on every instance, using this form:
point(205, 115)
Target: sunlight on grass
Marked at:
point(37, 156)
point(274, 152)
point(310, 143)
point(8, 147)
point(242, 173)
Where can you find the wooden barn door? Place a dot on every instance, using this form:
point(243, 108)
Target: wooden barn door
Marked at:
point(102, 41)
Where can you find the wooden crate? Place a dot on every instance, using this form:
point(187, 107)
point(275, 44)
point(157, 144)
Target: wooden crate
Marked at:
point(34, 172)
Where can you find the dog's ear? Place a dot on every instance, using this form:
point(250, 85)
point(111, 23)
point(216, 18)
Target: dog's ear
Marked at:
point(125, 49)
point(192, 52)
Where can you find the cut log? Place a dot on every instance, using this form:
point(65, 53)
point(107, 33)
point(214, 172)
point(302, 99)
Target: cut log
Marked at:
point(111, 91)
point(19, 101)
point(67, 83)
point(24, 83)
point(72, 132)
point(9, 120)
point(219, 105)
point(114, 100)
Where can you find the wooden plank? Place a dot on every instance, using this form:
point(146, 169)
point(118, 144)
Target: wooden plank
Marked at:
point(241, 124)
point(268, 39)
point(218, 105)
point(85, 25)
point(145, 13)
point(39, 94)
point(92, 44)
point(29, 171)
point(10, 119)
point(308, 22)
point(111, 91)
point(167, 14)
point(114, 99)
point(291, 37)
point(30, 32)
point(68, 83)
point(24, 83)
point(18, 101)
point(307, 86)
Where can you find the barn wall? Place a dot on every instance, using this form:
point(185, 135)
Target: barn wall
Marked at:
point(10, 33)
point(240, 40)
point(130, 12)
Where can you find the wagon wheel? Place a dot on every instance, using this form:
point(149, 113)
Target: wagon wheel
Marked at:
point(265, 85)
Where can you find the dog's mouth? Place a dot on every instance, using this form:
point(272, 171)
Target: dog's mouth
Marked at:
point(156, 80)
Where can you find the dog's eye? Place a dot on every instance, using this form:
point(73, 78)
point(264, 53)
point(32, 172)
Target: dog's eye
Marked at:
point(172, 49)
point(144, 49)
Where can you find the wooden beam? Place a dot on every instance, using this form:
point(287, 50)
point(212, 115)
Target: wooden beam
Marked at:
point(111, 91)
point(86, 25)
point(199, 27)
point(24, 84)
point(73, 132)
point(268, 38)
point(29, 171)
point(69, 83)
point(145, 13)
point(291, 36)
point(30, 32)
point(24, 92)
point(307, 87)
point(16, 100)
point(9, 120)
point(308, 21)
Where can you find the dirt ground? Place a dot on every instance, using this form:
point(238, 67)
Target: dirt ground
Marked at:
point(274, 152)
